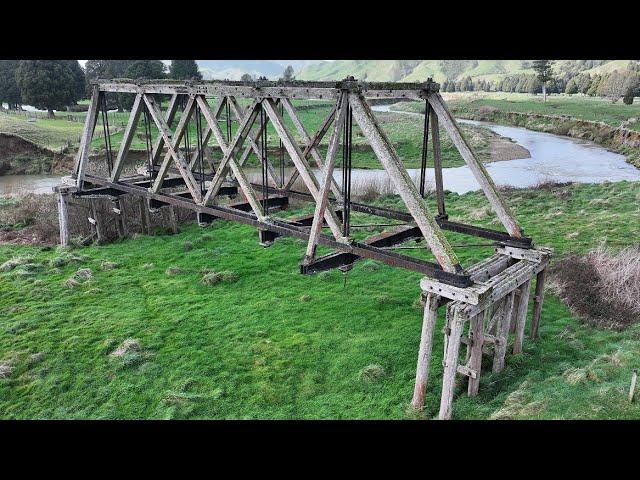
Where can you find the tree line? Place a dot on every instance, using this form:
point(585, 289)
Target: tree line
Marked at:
point(624, 83)
point(58, 84)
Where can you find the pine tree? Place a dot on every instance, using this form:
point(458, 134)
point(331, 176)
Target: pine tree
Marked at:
point(545, 73)
point(185, 70)
point(9, 91)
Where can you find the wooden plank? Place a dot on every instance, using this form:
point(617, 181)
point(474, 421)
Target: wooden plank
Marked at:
point(533, 255)
point(479, 171)
point(521, 316)
point(424, 353)
point(169, 116)
point(538, 299)
point(404, 184)
point(237, 112)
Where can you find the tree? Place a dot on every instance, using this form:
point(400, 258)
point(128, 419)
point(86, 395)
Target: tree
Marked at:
point(544, 73)
point(141, 70)
point(288, 76)
point(105, 70)
point(145, 69)
point(9, 91)
point(246, 77)
point(48, 84)
point(185, 70)
point(78, 79)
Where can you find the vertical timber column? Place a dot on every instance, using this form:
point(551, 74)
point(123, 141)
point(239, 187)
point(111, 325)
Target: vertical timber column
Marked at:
point(451, 363)
point(173, 221)
point(63, 219)
point(502, 332)
point(521, 316)
point(424, 353)
point(537, 303)
point(145, 224)
point(476, 340)
point(97, 224)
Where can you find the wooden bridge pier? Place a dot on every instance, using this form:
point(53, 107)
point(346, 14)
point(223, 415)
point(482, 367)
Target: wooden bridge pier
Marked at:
point(486, 309)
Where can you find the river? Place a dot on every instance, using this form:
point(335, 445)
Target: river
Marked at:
point(553, 158)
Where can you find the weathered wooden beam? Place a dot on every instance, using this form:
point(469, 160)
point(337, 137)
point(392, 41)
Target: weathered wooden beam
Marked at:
point(424, 353)
point(311, 146)
point(451, 362)
point(315, 141)
point(302, 165)
point(404, 184)
point(538, 299)
point(521, 316)
point(237, 112)
point(502, 332)
point(127, 137)
point(437, 161)
point(170, 116)
point(292, 90)
point(63, 219)
point(172, 143)
point(476, 337)
point(479, 171)
point(82, 156)
point(327, 179)
point(229, 161)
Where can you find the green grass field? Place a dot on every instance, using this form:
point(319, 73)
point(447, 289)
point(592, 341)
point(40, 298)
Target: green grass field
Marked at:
point(594, 109)
point(404, 131)
point(276, 344)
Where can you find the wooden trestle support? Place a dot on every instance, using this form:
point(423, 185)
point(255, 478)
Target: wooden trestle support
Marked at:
point(484, 296)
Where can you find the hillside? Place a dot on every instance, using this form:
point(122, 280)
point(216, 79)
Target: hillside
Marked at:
point(440, 70)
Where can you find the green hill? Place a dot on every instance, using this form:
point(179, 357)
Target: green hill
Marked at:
point(440, 70)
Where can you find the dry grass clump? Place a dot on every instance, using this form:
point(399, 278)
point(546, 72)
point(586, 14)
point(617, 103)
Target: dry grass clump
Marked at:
point(81, 276)
point(107, 265)
point(173, 271)
point(213, 278)
point(602, 287)
point(13, 263)
point(6, 369)
point(38, 213)
point(372, 373)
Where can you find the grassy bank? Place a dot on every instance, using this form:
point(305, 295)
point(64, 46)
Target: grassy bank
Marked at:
point(266, 342)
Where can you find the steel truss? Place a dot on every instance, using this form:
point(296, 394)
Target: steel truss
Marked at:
point(171, 167)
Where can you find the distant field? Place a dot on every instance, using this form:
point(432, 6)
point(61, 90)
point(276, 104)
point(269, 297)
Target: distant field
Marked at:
point(585, 108)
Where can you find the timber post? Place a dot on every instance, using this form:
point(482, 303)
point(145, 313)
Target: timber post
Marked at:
point(63, 219)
